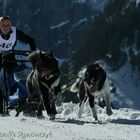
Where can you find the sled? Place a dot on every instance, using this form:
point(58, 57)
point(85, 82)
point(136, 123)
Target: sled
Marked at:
point(15, 100)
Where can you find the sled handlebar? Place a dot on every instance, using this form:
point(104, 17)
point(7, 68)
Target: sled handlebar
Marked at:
point(18, 52)
point(15, 52)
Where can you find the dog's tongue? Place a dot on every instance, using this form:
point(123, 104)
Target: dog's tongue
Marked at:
point(93, 87)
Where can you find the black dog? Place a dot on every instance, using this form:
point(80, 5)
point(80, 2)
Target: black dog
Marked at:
point(44, 80)
point(94, 82)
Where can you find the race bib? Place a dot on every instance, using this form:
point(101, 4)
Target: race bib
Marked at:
point(6, 45)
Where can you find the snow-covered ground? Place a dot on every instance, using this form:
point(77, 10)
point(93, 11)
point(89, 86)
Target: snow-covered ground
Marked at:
point(124, 124)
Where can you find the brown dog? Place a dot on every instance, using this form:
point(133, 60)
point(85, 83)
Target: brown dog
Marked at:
point(44, 80)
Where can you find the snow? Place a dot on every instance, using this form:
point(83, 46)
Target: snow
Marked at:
point(79, 22)
point(127, 83)
point(124, 124)
point(59, 25)
point(99, 4)
point(137, 2)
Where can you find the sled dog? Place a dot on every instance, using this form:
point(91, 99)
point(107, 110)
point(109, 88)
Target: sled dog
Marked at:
point(93, 83)
point(44, 80)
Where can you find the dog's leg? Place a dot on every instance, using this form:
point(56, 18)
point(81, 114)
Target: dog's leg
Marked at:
point(29, 84)
point(81, 108)
point(92, 106)
point(82, 97)
point(106, 90)
point(94, 113)
point(75, 86)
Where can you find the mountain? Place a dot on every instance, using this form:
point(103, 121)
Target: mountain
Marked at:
point(89, 28)
point(114, 31)
point(114, 38)
point(57, 25)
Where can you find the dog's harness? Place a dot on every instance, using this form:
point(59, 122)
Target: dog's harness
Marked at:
point(86, 88)
point(54, 84)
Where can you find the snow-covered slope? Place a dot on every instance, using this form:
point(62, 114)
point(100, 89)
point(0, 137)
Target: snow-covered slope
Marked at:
point(127, 86)
point(124, 124)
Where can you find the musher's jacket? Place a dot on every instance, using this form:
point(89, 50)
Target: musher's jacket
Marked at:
point(15, 40)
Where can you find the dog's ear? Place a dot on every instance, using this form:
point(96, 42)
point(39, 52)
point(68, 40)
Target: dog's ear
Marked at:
point(33, 57)
point(40, 52)
point(51, 53)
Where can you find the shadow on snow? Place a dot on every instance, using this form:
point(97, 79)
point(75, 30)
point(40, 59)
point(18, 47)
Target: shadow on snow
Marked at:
point(126, 122)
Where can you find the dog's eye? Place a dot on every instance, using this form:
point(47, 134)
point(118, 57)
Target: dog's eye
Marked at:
point(91, 82)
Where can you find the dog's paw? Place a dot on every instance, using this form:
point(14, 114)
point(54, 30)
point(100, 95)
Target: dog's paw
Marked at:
point(94, 113)
point(109, 112)
point(41, 117)
point(95, 117)
point(51, 117)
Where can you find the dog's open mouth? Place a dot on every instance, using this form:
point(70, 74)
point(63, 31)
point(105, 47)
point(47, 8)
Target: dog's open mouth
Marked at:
point(45, 72)
point(93, 87)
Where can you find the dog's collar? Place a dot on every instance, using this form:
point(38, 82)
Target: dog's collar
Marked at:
point(54, 84)
point(44, 84)
point(48, 77)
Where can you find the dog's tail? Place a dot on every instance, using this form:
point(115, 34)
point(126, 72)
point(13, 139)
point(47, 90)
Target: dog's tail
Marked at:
point(75, 86)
